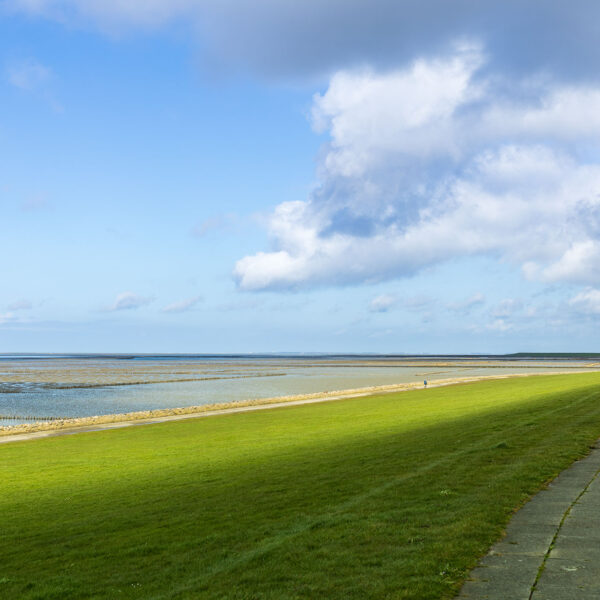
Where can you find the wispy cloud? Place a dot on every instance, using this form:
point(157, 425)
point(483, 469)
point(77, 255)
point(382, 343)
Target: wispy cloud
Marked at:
point(507, 308)
point(20, 304)
point(587, 302)
point(182, 305)
point(468, 304)
point(500, 325)
point(382, 303)
point(35, 203)
point(249, 304)
point(8, 317)
point(128, 301)
point(214, 223)
point(31, 76)
point(381, 333)
point(28, 74)
point(419, 303)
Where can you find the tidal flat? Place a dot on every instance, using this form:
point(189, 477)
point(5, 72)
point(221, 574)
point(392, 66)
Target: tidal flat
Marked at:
point(54, 388)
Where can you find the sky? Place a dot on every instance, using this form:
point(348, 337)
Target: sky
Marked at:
point(204, 176)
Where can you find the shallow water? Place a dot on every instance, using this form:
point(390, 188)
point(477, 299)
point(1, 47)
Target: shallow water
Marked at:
point(44, 388)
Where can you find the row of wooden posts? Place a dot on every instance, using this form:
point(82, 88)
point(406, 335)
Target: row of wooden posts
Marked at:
point(28, 418)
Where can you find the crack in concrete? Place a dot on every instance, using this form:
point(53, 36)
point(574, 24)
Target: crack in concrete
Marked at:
point(553, 542)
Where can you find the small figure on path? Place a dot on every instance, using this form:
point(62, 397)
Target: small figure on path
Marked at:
point(425, 383)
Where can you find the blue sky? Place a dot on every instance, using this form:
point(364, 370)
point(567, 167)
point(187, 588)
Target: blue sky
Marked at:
point(193, 176)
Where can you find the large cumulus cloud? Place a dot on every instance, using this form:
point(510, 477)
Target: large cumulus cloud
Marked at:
point(430, 162)
point(456, 128)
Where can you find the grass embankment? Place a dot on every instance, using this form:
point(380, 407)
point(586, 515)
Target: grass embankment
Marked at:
point(392, 496)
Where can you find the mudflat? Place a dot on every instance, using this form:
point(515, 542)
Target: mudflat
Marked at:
point(41, 429)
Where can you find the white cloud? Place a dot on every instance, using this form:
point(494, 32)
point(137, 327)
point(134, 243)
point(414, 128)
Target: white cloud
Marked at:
point(409, 111)
point(183, 305)
point(28, 74)
point(129, 301)
point(587, 302)
point(382, 303)
point(32, 77)
point(427, 164)
point(567, 113)
point(507, 308)
point(419, 303)
point(500, 325)
point(468, 304)
point(8, 317)
point(579, 263)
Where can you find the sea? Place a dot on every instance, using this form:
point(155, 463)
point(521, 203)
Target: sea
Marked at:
point(39, 387)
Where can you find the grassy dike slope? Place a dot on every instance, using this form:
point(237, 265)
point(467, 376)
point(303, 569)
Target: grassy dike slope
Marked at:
point(391, 496)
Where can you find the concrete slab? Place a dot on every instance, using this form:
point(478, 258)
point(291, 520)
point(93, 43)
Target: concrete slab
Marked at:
point(569, 575)
point(551, 550)
point(578, 567)
point(494, 565)
point(553, 592)
point(573, 548)
point(494, 590)
point(586, 511)
point(590, 500)
point(594, 485)
point(579, 528)
point(557, 494)
point(535, 544)
point(542, 514)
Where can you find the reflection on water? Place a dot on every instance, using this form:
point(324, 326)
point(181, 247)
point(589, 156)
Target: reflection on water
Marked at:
point(79, 387)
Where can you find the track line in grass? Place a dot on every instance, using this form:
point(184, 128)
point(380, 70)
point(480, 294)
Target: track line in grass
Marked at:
point(226, 506)
point(334, 513)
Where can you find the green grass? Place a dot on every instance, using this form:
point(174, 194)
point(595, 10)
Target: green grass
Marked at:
point(392, 496)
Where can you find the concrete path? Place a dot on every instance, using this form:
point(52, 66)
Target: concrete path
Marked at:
point(551, 550)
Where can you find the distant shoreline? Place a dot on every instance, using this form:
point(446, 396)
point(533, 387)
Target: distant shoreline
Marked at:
point(517, 356)
point(36, 430)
